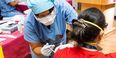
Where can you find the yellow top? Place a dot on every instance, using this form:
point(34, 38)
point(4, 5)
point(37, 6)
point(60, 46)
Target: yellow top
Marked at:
point(1, 53)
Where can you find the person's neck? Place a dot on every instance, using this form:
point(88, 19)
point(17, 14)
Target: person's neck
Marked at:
point(89, 49)
point(48, 26)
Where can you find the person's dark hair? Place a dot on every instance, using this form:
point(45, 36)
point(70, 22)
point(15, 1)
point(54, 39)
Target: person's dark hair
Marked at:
point(88, 32)
point(50, 10)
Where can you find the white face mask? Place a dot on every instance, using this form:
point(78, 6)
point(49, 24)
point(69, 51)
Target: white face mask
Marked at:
point(48, 20)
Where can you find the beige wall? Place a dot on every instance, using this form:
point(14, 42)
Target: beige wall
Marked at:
point(106, 6)
point(115, 10)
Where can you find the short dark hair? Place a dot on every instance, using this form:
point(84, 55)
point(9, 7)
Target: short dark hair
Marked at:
point(90, 32)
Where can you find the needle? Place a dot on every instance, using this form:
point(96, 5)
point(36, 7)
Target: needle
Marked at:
point(52, 50)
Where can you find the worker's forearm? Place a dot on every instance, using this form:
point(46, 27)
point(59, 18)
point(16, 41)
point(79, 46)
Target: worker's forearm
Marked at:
point(37, 51)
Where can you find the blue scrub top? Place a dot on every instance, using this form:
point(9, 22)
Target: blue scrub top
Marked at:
point(7, 10)
point(35, 31)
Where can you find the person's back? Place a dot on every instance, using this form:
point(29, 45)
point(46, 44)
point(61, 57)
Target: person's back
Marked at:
point(88, 31)
point(78, 52)
point(7, 10)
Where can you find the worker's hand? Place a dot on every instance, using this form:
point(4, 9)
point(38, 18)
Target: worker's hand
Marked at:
point(47, 49)
point(62, 46)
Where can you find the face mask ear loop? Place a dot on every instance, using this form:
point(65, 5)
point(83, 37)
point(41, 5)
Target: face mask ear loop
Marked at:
point(84, 23)
point(93, 24)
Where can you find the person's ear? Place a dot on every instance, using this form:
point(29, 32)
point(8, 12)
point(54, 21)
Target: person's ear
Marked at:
point(69, 27)
point(100, 36)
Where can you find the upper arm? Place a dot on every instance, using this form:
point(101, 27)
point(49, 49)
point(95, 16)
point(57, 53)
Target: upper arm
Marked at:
point(61, 53)
point(111, 55)
point(58, 54)
point(29, 32)
point(36, 48)
point(68, 10)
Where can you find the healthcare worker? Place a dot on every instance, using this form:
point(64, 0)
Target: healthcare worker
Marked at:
point(45, 25)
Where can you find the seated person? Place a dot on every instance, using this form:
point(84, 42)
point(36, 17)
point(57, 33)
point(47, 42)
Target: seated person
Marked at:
point(88, 31)
point(8, 9)
point(11, 8)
